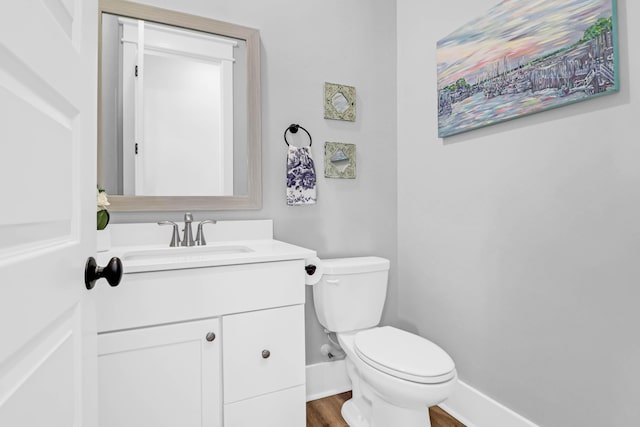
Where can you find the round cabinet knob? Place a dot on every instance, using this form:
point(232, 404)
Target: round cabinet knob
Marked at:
point(211, 336)
point(266, 354)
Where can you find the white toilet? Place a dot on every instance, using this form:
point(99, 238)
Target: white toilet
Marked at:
point(395, 375)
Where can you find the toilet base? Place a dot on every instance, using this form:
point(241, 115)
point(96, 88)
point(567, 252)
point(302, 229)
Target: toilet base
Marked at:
point(384, 415)
point(367, 408)
point(352, 415)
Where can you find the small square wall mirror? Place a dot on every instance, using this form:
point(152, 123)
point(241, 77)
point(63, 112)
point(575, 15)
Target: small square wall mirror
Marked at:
point(339, 102)
point(339, 160)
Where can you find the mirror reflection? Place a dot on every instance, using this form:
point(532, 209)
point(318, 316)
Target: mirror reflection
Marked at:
point(173, 111)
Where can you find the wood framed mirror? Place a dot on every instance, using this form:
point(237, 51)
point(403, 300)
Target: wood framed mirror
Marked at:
point(179, 120)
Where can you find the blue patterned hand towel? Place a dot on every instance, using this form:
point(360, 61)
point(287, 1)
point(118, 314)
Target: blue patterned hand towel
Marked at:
point(301, 177)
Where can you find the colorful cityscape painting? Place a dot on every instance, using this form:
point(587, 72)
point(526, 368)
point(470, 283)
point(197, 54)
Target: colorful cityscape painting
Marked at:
point(524, 57)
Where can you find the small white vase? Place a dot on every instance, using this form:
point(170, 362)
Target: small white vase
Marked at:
point(103, 240)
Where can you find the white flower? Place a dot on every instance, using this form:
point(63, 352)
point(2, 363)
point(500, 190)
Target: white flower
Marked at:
point(103, 202)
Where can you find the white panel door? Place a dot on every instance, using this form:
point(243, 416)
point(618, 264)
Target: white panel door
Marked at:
point(48, 69)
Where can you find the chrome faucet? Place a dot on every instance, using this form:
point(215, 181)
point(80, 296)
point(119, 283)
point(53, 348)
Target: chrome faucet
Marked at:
point(175, 234)
point(187, 239)
point(200, 241)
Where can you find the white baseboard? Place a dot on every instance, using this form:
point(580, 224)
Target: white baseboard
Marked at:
point(475, 409)
point(326, 379)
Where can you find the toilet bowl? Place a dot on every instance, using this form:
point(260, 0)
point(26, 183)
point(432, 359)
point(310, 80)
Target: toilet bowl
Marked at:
point(395, 375)
point(395, 385)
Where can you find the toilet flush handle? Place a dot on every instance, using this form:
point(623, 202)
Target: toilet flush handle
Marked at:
point(333, 281)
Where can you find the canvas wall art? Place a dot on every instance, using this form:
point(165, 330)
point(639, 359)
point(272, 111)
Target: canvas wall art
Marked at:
point(524, 57)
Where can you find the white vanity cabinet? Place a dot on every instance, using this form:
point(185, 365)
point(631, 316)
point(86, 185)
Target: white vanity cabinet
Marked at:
point(160, 365)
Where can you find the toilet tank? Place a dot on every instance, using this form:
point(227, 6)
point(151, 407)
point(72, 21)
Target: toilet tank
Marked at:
point(351, 293)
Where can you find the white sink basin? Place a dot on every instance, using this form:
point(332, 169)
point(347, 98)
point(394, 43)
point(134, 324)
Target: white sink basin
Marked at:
point(183, 254)
point(156, 258)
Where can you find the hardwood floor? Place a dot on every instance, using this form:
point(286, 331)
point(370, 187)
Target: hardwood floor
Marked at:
point(326, 413)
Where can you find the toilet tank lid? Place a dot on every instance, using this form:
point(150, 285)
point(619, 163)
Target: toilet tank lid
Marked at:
point(355, 265)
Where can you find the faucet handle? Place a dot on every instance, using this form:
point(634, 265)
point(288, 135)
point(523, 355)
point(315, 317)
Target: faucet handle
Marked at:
point(188, 217)
point(200, 241)
point(175, 235)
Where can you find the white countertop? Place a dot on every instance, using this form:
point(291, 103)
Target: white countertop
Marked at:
point(145, 258)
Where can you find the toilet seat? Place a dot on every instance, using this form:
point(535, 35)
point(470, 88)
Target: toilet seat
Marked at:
point(404, 355)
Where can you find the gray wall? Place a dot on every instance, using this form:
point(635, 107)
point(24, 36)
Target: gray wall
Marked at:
point(305, 44)
point(519, 243)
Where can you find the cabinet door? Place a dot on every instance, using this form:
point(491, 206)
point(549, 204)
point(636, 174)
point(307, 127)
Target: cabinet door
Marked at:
point(163, 376)
point(263, 352)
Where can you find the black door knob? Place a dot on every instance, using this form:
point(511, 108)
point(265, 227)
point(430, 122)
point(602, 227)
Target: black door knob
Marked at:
point(112, 272)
